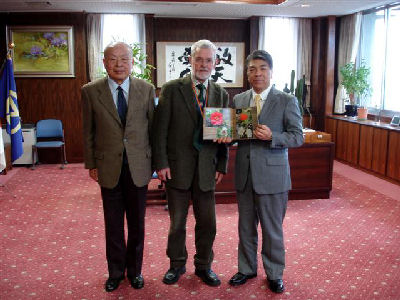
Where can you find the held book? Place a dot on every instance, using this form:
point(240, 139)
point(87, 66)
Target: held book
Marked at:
point(236, 123)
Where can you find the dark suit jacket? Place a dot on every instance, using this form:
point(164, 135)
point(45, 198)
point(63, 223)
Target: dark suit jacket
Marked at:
point(268, 160)
point(105, 137)
point(175, 121)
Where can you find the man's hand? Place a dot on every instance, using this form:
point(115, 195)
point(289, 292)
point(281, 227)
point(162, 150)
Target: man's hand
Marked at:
point(218, 177)
point(262, 132)
point(93, 174)
point(224, 140)
point(164, 174)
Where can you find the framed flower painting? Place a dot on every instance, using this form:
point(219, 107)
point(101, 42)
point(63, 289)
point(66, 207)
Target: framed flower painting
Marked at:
point(42, 51)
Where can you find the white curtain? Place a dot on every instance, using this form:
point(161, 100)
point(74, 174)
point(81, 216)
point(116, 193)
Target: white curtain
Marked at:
point(95, 45)
point(261, 33)
point(349, 39)
point(304, 51)
point(139, 25)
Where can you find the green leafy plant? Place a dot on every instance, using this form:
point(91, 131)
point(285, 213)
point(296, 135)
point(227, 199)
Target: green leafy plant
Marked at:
point(139, 70)
point(356, 81)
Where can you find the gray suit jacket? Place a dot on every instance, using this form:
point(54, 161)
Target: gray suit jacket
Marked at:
point(174, 125)
point(268, 160)
point(105, 137)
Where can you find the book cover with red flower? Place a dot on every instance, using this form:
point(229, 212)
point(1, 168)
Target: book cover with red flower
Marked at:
point(227, 122)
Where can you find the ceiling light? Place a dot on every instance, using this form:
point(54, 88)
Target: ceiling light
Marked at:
point(38, 4)
point(230, 2)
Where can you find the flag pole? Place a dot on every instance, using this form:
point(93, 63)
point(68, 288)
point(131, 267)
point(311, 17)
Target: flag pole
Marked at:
point(8, 56)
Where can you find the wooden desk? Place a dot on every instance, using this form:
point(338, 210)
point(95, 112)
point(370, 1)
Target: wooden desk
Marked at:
point(311, 168)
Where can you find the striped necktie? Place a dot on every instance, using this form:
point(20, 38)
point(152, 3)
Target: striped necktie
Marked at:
point(198, 133)
point(202, 100)
point(257, 101)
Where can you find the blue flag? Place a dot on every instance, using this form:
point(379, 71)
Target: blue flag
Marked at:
point(9, 109)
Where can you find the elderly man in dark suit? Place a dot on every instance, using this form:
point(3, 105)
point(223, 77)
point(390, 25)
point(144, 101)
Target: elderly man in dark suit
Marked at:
point(262, 173)
point(117, 115)
point(190, 166)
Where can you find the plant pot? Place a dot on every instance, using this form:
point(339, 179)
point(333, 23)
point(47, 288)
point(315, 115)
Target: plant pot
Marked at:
point(362, 113)
point(351, 110)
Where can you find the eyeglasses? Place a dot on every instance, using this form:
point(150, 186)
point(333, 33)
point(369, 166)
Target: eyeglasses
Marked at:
point(206, 61)
point(115, 60)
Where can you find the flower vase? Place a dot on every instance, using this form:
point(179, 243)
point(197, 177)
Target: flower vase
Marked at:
point(362, 113)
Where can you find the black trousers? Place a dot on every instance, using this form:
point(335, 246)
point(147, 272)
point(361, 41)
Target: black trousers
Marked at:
point(124, 199)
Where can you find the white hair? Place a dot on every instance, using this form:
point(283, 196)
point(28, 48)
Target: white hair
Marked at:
point(116, 44)
point(203, 44)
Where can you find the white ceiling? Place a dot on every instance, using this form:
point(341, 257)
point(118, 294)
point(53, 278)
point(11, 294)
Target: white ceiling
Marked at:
point(218, 9)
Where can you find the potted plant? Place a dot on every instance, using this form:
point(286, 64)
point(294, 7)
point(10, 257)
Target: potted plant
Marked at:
point(356, 82)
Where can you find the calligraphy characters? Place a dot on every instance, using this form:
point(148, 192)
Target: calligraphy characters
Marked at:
point(226, 59)
point(171, 64)
point(178, 64)
point(184, 60)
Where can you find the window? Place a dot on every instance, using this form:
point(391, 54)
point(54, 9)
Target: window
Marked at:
point(379, 49)
point(119, 28)
point(391, 100)
point(282, 45)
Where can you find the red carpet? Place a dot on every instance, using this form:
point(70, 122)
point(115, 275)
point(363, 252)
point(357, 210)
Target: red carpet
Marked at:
point(52, 244)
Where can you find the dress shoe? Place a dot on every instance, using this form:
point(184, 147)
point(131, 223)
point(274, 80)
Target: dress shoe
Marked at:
point(240, 278)
point(137, 282)
point(276, 285)
point(112, 284)
point(173, 275)
point(208, 277)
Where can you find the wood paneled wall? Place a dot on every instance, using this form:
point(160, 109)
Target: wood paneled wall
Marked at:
point(58, 98)
point(323, 69)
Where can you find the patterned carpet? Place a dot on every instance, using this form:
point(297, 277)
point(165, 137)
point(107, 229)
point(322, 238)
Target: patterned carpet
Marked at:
point(52, 244)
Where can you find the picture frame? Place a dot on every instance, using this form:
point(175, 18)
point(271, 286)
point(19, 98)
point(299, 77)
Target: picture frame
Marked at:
point(42, 51)
point(395, 121)
point(173, 62)
point(236, 123)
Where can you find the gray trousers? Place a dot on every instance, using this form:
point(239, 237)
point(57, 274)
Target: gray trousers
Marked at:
point(268, 210)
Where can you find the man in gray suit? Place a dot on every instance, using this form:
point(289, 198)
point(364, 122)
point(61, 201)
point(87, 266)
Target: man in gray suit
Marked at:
point(190, 166)
point(117, 115)
point(262, 173)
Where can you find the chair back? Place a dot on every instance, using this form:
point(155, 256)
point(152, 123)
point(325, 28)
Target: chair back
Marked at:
point(49, 128)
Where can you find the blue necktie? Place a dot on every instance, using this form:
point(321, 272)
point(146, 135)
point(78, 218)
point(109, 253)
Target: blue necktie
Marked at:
point(122, 106)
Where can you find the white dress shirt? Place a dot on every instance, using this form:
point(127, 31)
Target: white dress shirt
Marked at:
point(114, 92)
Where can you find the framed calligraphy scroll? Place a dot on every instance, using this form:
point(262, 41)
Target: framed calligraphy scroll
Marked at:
point(173, 62)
